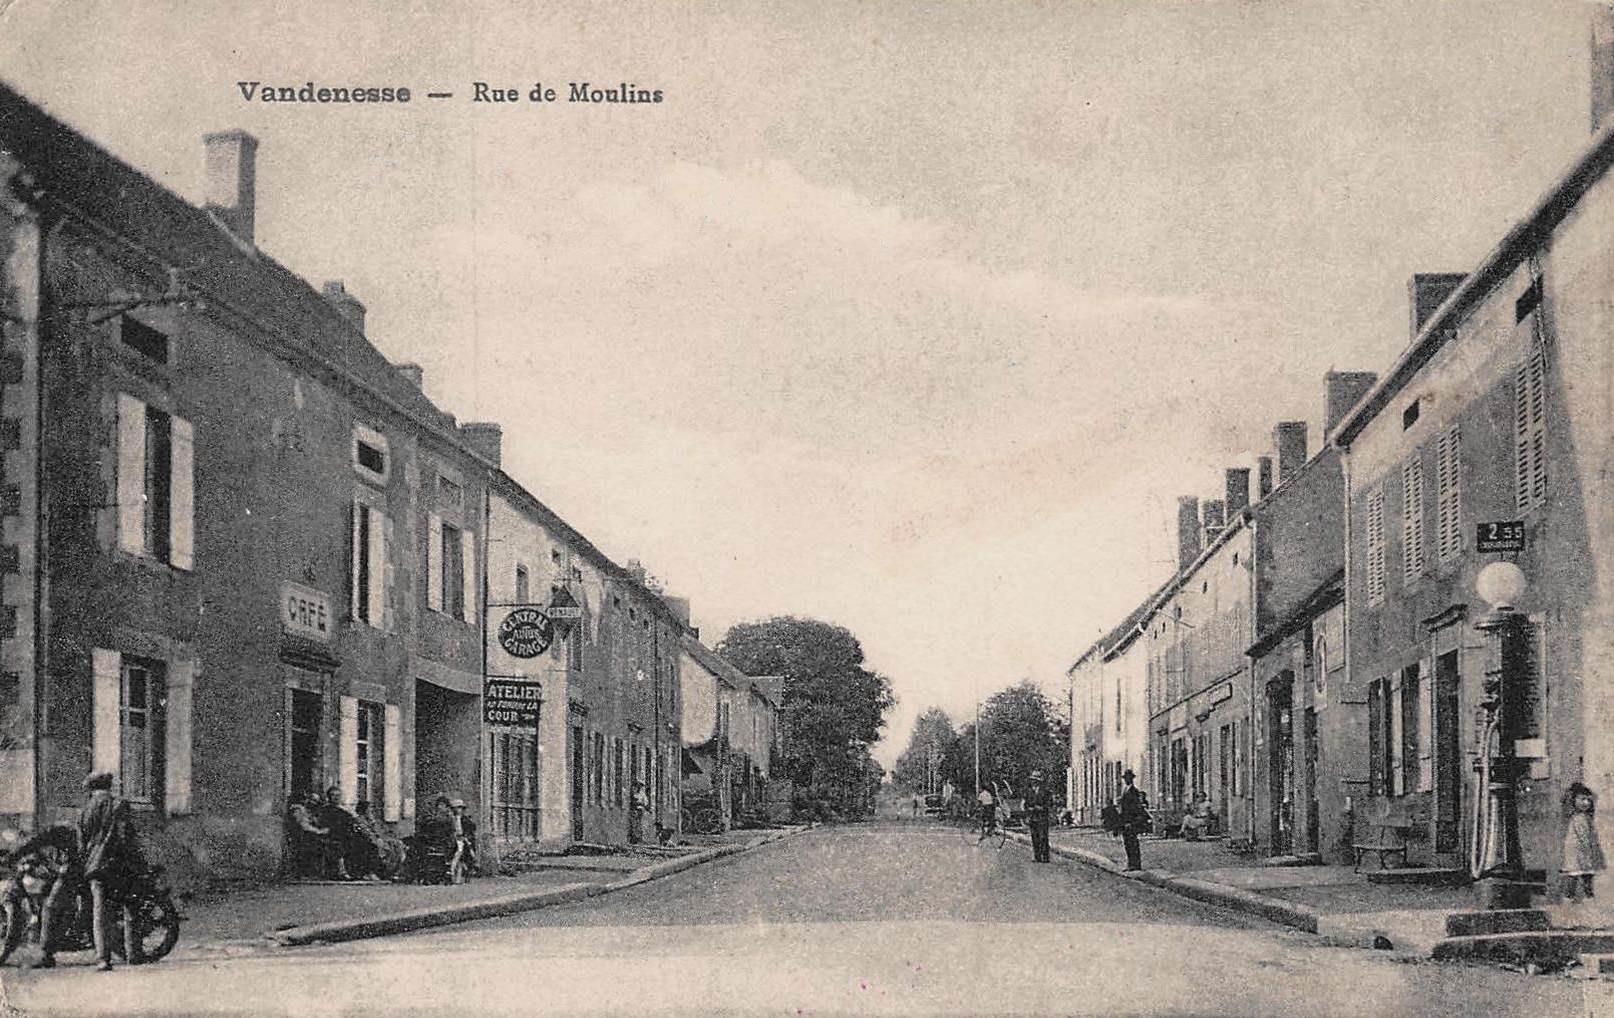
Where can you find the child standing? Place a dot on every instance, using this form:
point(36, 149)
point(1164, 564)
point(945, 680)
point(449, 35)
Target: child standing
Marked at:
point(1583, 854)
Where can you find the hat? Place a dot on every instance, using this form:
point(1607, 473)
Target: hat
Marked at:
point(456, 804)
point(1036, 774)
point(100, 781)
point(1128, 774)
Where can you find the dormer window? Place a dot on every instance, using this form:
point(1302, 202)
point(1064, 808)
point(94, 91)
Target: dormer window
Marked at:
point(370, 454)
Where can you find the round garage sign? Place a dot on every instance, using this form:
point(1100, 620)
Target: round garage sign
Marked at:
point(526, 632)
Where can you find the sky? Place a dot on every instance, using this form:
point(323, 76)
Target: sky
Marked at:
point(913, 317)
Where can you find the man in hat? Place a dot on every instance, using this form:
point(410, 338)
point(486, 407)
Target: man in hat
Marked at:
point(107, 842)
point(463, 830)
point(1134, 809)
point(1039, 811)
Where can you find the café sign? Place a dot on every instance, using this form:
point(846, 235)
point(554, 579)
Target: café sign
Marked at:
point(511, 701)
point(526, 631)
point(305, 611)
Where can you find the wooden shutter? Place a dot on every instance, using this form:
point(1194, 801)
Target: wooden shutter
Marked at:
point(1538, 426)
point(1395, 744)
point(107, 737)
point(1412, 517)
point(471, 576)
point(1375, 737)
point(434, 562)
point(177, 737)
point(355, 549)
point(1448, 494)
point(392, 763)
point(1375, 546)
point(388, 576)
point(347, 751)
point(376, 553)
point(181, 494)
point(131, 474)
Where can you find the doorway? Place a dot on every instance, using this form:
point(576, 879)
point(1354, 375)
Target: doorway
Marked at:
point(578, 783)
point(303, 714)
point(1309, 780)
point(1281, 762)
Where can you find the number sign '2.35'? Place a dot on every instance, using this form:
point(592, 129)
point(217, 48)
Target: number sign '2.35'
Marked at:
point(526, 631)
point(1505, 535)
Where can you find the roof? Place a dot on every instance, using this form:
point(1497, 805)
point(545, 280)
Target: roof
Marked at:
point(282, 311)
point(1516, 245)
point(715, 663)
point(508, 486)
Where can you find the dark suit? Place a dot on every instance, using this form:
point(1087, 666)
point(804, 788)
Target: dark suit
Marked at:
point(1039, 811)
point(1134, 821)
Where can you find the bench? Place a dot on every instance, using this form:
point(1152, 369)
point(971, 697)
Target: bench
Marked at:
point(1387, 836)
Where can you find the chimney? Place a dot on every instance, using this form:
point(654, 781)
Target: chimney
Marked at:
point(1602, 63)
point(1290, 438)
point(229, 180)
point(1263, 476)
point(679, 606)
point(346, 305)
point(1426, 291)
point(486, 437)
point(1343, 390)
point(1238, 491)
point(1187, 531)
point(415, 373)
point(1214, 518)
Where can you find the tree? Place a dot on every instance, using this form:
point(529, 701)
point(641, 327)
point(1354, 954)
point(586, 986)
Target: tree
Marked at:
point(834, 707)
point(920, 767)
point(1021, 732)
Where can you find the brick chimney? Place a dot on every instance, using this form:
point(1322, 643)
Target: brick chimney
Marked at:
point(1263, 476)
point(230, 180)
point(1187, 531)
point(414, 372)
point(1602, 62)
point(1426, 291)
point(1238, 491)
point(1214, 518)
point(1341, 391)
point(486, 437)
point(1290, 438)
point(346, 305)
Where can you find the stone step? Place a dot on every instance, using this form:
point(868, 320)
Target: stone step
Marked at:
point(1430, 875)
point(1541, 949)
point(1501, 920)
point(1302, 859)
point(1595, 966)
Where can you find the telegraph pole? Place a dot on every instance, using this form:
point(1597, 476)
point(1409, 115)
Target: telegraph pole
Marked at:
point(977, 747)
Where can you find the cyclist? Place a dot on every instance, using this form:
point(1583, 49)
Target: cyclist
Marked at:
point(988, 806)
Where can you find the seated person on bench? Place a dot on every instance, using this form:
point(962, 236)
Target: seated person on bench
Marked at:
point(1199, 819)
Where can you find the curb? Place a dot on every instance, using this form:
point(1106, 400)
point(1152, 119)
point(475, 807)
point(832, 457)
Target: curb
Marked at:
point(1277, 910)
point(445, 915)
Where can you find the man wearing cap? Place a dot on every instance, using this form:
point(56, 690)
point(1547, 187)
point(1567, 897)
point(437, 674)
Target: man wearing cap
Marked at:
point(463, 830)
point(1134, 808)
point(107, 842)
point(1038, 813)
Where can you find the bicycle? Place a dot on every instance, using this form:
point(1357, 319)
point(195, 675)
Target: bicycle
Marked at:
point(975, 832)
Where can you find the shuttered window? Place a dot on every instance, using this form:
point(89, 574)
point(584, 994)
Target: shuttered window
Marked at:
point(1530, 430)
point(1448, 494)
point(1412, 518)
point(368, 586)
point(1375, 546)
point(155, 483)
point(142, 726)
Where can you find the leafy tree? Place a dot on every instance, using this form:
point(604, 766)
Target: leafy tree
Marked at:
point(920, 767)
point(834, 707)
point(1021, 731)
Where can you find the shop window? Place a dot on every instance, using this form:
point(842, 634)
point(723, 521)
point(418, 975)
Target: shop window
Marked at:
point(514, 811)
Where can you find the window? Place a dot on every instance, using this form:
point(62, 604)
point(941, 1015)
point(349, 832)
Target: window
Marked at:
point(370, 758)
point(1412, 518)
point(452, 580)
point(1378, 737)
point(371, 457)
point(599, 769)
point(143, 339)
point(1530, 430)
point(1448, 495)
point(617, 761)
point(11, 714)
point(155, 497)
point(1409, 416)
point(142, 725)
point(1411, 729)
point(522, 585)
point(514, 758)
point(1375, 546)
point(367, 565)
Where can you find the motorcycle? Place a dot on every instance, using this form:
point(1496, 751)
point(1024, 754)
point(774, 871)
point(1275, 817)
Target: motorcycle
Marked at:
point(146, 889)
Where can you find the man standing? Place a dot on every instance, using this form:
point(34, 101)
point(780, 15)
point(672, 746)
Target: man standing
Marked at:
point(107, 839)
point(1038, 813)
point(1134, 820)
point(987, 805)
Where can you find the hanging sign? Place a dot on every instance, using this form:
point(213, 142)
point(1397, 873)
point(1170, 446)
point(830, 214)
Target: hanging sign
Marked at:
point(564, 612)
point(526, 631)
point(511, 701)
point(1506, 535)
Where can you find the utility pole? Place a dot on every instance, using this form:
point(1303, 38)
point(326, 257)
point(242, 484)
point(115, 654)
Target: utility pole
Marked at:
point(977, 747)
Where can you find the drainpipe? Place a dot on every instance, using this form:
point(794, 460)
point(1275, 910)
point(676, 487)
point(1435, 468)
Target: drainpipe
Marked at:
point(485, 785)
point(48, 224)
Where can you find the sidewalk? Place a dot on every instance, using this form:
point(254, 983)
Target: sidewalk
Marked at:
point(259, 918)
point(1332, 901)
